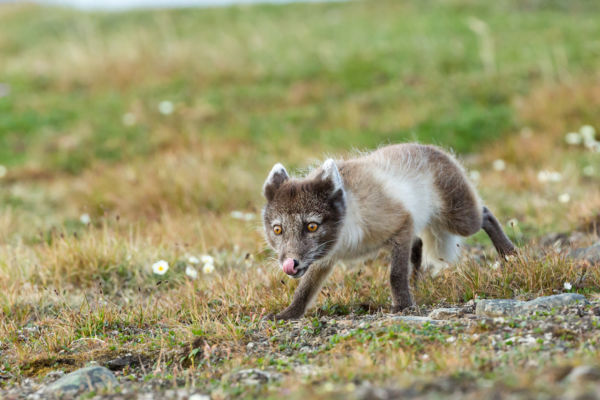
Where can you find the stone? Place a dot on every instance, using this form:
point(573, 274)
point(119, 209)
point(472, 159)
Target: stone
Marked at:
point(254, 377)
point(83, 380)
point(197, 396)
point(120, 363)
point(584, 373)
point(498, 307)
point(416, 320)
point(511, 308)
point(446, 313)
point(590, 254)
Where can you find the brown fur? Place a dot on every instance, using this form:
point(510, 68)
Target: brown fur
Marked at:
point(358, 214)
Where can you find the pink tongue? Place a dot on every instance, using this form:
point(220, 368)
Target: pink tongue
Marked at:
point(288, 266)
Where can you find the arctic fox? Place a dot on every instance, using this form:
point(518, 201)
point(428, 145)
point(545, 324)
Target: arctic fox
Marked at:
point(413, 199)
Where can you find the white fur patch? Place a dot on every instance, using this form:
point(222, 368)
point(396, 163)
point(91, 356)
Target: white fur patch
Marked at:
point(415, 191)
point(351, 233)
point(331, 171)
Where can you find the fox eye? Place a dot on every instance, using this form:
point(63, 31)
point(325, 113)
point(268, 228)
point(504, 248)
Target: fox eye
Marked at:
point(312, 227)
point(277, 230)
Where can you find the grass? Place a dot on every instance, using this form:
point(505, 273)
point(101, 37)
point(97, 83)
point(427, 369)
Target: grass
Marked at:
point(81, 131)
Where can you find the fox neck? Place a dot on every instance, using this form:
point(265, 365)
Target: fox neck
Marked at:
point(352, 232)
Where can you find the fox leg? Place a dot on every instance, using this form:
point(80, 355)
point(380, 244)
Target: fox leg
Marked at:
point(416, 255)
point(492, 227)
point(400, 272)
point(307, 291)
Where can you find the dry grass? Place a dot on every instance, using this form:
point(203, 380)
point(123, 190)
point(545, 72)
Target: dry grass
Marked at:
point(72, 293)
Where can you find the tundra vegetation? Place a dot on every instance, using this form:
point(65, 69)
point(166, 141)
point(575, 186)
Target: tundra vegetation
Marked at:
point(127, 139)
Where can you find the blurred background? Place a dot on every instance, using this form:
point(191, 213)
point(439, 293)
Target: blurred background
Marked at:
point(153, 112)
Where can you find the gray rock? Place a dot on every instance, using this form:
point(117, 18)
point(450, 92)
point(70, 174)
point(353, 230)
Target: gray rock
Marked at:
point(446, 313)
point(416, 320)
point(498, 307)
point(83, 380)
point(584, 373)
point(590, 254)
point(254, 377)
point(509, 308)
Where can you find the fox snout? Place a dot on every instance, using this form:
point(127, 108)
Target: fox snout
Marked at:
point(289, 266)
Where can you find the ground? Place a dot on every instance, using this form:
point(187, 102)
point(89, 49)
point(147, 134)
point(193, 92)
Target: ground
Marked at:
point(126, 139)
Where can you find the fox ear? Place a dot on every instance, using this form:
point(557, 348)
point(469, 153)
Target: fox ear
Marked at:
point(332, 173)
point(276, 177)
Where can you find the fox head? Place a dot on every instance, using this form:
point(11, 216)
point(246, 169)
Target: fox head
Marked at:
point(303, 217)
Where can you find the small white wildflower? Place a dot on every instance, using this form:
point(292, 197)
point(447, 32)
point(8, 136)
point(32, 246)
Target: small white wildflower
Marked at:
point(206, 259)
point(587, 132)
point(496, 265)
point(166, 107)
point(568, 286)
point(208, 268)
point(588, 170)
point(3, 171)
point(564, 198)
point(242, 215)
point(85, 219)
point(549, 176)
point(573, 138)
point(425, 357)
point(129, 119)
point(475, 175)
point(191, 272)
point(160, 267)
point(499, 165)
point(513, 222)
point(451, 339)
point(193, 260)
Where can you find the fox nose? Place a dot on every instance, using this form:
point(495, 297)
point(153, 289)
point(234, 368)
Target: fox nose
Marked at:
point(289, 266)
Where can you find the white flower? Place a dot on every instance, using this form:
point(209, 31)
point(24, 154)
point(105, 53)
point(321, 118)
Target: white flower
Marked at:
point(496, 265)
point(587, 132)
point(160, 267)
point(242, 215)
point(451, 339)
point(564, 198)
point(549, 176)
point(166, 107)
point(129, 119)
point(568, 286)
point(475, 175)
point(85, 219)
point(3, 171)
point(573, 138)
point(193, 260)
point(206, 259)
point(191, 272)
point(499, 165)
point(208, 268)
point(588, 170)
point(513, 222)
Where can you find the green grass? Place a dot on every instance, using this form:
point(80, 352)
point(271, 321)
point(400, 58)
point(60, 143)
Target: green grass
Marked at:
point(340, 75)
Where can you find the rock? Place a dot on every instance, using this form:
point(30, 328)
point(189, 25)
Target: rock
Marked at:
point(446, 313)
point(199, 397)
point(498, 307)
point(511, 308)
point(254, 377)
point(416, 320)
point(84, 379)
point(557, 301)
point(584, 373)
point(590, 254)
point(120, 363)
